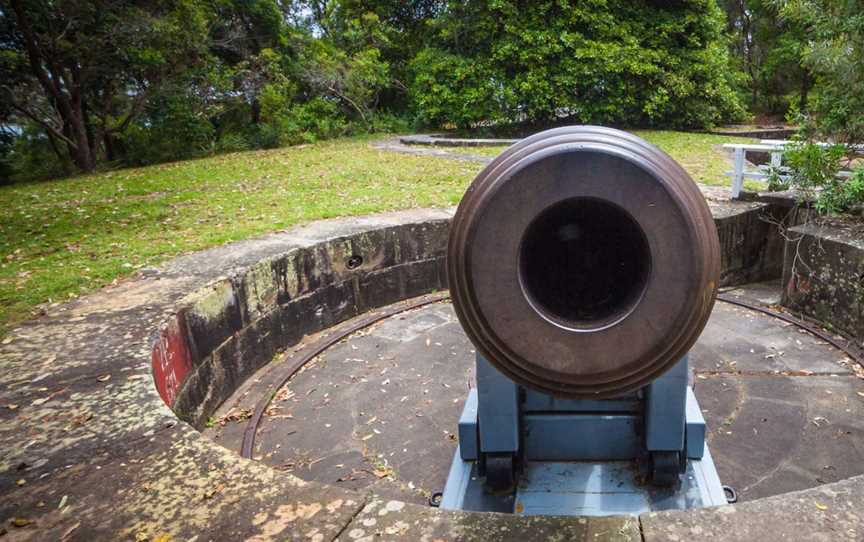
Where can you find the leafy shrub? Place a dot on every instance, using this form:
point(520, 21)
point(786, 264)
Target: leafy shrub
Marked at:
point(233, 142)
point(389, 123)
point(173, 129)
point(850, 193)
point(31, 157)
point(308, 122)
point(812, 172)
point(616, 62)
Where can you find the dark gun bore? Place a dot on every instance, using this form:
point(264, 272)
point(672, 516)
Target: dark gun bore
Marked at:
point(584, 263)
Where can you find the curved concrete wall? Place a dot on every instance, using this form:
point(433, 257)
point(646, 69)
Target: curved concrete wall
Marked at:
point(225, 332)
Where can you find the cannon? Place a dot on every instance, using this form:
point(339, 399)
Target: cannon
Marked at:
point(583, 264)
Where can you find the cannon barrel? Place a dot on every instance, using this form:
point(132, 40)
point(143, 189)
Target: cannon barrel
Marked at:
point(583, 262)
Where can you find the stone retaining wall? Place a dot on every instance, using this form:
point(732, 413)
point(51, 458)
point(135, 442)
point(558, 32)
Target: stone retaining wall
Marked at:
point(823, 275)
point(751, 248)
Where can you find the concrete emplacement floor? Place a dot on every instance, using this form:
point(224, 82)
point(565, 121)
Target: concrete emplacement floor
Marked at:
point(378, 410)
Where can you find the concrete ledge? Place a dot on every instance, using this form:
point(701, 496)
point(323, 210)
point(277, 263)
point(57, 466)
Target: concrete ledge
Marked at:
point(91, 450)
point(440, 140)
point(222, 334)
point(384, 519)
point(766, 132)
point(826, 513)
point(823, 274)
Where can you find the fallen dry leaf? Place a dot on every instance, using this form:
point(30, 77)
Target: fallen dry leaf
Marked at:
point(235, 415)
point(383, 472)
point(68, 532)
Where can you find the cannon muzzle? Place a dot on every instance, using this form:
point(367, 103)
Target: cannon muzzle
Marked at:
point(583, 262)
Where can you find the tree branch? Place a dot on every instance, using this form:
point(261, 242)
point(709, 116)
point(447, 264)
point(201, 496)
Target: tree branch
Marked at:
point(134, 110)
point(35, 118)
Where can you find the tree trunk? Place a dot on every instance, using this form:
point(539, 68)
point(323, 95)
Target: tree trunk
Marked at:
point(108, 141)
point(60, 158)
point(64, 92)
point(256, 111)
point(80, 152)
point(806, 83)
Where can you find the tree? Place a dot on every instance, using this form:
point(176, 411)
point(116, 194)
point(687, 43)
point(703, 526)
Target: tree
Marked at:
point(768, 49)
point(399, 30)
point(83, 70)
point(609, 62)
point(244, 36)
point(835, 53)
point(351, 72)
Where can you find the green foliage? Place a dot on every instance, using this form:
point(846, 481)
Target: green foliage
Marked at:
point(354, 78)
point(606, 62)
point(31, 156)
point(813, 172)
point(766, 50)
point(176, 79)
point(185, 78)
point(813, 166)
point(834, 51)
point(82, 71)
point(852, 193)
point(304, 123)
point(452, 89)
point(174, 127)
point(841, 195)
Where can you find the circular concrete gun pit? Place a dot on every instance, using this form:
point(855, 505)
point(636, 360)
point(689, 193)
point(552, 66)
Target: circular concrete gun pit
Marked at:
point(378, 410)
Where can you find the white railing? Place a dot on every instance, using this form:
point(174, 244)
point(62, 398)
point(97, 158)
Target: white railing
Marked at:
point(775, 148)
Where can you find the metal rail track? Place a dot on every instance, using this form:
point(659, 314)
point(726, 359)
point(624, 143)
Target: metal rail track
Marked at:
point(286, 371)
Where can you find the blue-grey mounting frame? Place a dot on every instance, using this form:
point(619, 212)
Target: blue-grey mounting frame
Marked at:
point(582, 457)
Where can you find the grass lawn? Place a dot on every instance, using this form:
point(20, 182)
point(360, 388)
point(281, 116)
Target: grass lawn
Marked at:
point(700, 154)
point(64, 237)
point(61, 238)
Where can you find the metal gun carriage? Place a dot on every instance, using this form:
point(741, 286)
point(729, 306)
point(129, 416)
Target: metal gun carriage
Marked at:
point(583, 264)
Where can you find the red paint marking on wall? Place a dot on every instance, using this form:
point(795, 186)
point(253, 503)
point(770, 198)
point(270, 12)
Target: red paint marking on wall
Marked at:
point(172, 359)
